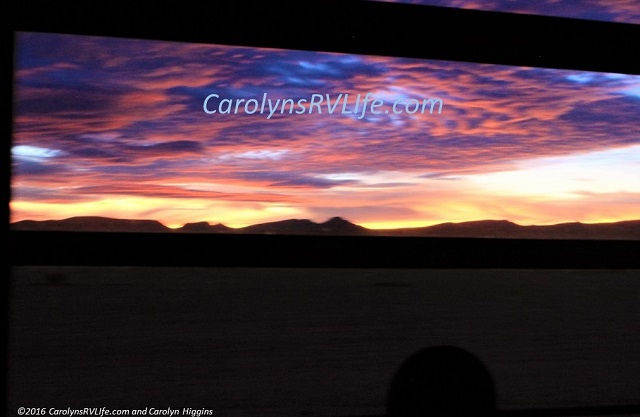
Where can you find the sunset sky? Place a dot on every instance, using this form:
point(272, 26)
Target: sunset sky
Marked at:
point(623, 11)
point(116, 128)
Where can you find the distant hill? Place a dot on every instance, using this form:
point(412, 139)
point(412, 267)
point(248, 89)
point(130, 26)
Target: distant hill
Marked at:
point(627, 230)
point(92, 224)
point(204, 227)
point(503, 229)
point(336, 226)
point(482, 228)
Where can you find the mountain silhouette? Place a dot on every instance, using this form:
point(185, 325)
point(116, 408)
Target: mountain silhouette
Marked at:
point(204, 227)
point(482, 228)
point(292, 226)
point(92, 224)
point(340, 226)
point(333, 226)
point(337, 226)
point(627, 230)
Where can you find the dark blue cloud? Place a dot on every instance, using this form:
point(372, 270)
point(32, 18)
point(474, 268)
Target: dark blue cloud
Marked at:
point(178, 146)
point(614, 121)
point(325, 68)
point(290, 179)
point(137, 170)
point(35, 168)
point(63, 101)
point(608, 11)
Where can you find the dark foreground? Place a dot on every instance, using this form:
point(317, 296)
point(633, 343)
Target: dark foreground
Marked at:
point(314, 342)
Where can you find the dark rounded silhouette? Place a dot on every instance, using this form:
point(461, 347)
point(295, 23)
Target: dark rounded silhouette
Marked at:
point(441, 381)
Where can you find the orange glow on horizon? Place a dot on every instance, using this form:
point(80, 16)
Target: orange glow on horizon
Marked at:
point(140, 208)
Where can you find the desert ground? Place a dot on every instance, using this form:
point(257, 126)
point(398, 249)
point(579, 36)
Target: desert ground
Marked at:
point(314, 342)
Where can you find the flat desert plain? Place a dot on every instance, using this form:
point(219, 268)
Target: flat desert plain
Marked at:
point(314, 342)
